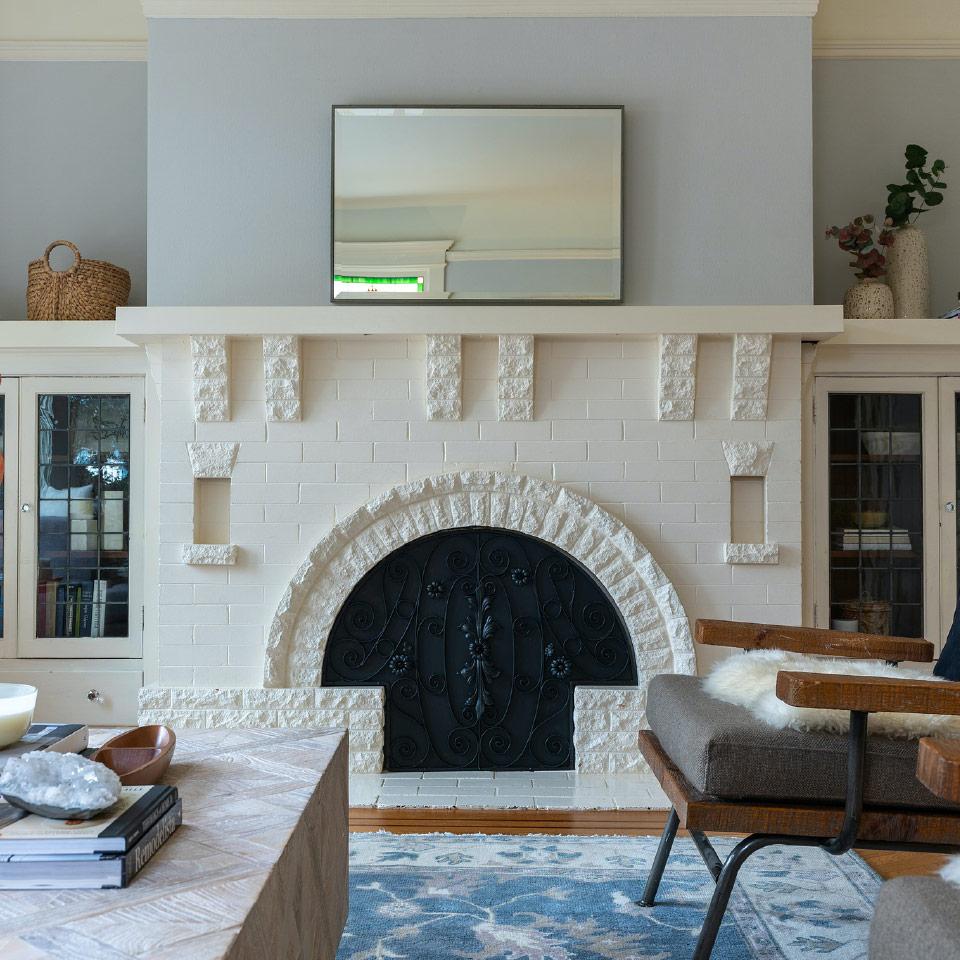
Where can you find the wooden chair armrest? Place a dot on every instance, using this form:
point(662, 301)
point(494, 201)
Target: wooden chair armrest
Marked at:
point(868, 694)
point(812, 640)
point(938, 767)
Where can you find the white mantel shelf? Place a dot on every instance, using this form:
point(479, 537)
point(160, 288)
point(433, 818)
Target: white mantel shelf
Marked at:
point(144, 324)
point(32, 335)
point(895, 333)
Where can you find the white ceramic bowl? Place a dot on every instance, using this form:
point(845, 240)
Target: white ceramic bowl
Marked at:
point(17, 703)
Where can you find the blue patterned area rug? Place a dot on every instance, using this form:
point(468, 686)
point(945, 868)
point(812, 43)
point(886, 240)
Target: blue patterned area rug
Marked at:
point(438, 896)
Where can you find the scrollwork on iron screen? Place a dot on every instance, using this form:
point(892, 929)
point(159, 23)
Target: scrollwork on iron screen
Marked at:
point(479, 636)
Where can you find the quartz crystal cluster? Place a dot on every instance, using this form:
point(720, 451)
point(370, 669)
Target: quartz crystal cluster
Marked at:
point(64, 780)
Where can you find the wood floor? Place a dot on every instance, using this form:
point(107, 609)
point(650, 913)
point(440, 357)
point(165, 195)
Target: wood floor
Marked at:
point(580, 822)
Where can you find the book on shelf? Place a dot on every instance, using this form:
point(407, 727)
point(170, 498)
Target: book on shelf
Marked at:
point(47, 608)
point(115, 831)
point(98, 610)
point(88, 871)
point(59, 737)
point(873, 538)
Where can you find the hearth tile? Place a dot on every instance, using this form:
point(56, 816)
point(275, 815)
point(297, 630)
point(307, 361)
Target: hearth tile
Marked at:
point(494, 803)
point(432, 802)
point(454, 790)
point(470, 788)
point(393, 787)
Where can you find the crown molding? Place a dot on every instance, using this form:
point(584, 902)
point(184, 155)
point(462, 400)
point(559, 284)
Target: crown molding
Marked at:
point(76, 50)
point(947, 49)
point(448, 9)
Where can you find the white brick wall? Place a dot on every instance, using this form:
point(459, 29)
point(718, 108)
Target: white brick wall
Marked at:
point(364, 429)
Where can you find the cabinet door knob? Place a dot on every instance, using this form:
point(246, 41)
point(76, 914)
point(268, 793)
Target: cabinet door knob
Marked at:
point(949, 506)
point(94, 696)
point(25, 508)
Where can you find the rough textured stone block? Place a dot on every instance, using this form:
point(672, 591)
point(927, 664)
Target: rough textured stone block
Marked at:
point(677, 378)
point(212, 459)
point(209, 554)
point(751, 553)
point(751, 376)
point(211, 378)
point(748, 458)
point(515, 377)
point(444, 381)
point(282, 378)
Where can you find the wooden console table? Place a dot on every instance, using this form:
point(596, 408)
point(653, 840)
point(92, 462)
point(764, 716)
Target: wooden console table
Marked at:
point(258, 869)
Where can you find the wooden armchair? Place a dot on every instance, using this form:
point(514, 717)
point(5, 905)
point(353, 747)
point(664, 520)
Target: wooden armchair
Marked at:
point(725, 771)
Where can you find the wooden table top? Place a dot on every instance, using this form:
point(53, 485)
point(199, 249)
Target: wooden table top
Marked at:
point(244, 793)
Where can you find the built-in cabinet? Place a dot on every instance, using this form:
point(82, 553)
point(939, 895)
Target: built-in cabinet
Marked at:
point(71, 588)
point(886, 492)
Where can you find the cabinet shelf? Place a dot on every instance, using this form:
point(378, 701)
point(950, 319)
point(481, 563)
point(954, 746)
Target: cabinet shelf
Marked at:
point(853, 554)
point(847, 458)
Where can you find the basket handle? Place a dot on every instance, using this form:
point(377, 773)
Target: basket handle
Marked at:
point(62, 243)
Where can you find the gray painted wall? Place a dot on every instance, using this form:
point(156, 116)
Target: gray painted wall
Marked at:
point(73, 165)
point(865, 113)
point(718, 142)
point(572, 278)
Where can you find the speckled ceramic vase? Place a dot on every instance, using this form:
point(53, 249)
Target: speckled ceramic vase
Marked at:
point(868, 299)
point(908, 274)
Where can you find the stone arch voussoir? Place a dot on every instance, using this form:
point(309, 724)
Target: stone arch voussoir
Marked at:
point(647, 600)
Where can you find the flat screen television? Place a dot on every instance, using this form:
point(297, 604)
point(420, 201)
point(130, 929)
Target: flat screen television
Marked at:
point(453, 204)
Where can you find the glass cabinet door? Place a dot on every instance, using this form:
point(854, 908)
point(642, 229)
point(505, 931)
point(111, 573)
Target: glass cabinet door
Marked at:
point(881, 467)
point(79, 489)
point(8, 516)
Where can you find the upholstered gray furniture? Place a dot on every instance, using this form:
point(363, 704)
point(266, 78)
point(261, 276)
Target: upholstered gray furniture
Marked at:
point(725, 752)
point(726, 772)
point(916, 918)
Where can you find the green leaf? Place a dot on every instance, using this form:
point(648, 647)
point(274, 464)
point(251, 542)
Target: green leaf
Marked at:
point(938, 167)
point(894, 188)
point(939, 185)
point(899, 201)
point(913, 177)
point(933, 198)
point(916, 156)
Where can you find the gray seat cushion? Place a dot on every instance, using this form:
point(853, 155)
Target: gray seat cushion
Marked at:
point(724, 751)
point(916, 918)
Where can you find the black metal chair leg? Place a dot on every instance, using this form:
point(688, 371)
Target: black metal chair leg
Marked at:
point(728, 875)
point(660, 860)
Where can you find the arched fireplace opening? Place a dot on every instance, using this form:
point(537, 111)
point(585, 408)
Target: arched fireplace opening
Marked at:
point(479, 636)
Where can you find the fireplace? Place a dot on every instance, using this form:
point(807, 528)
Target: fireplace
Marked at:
point(478, 636)
point(406, 437)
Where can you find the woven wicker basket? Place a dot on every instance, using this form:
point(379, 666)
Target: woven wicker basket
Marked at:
point(87, 290)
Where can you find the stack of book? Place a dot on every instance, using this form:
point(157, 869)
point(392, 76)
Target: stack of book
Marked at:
point(37, 853)
point(876, 539)
point(71, 611)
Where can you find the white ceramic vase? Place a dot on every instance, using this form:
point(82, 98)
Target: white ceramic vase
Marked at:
point(868, 299)
point(908, 274)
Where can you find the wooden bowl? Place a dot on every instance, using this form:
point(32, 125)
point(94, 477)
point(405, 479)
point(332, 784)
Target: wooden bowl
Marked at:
point(139, 757)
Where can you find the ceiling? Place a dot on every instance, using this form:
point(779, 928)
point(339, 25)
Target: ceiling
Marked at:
point(919, 28)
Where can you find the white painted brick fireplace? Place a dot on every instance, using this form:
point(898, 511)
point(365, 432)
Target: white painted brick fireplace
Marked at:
point(370, 423)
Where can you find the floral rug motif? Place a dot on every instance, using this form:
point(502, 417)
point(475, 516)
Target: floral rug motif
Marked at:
point(438, 897)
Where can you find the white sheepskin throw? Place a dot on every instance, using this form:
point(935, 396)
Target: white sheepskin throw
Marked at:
point(951, 871)
point(750, 680)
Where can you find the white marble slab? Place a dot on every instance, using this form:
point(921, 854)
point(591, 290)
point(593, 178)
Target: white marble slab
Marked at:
point(258, 869)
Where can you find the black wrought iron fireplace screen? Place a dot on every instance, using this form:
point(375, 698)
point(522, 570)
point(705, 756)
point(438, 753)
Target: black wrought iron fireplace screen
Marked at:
point(479, 636)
